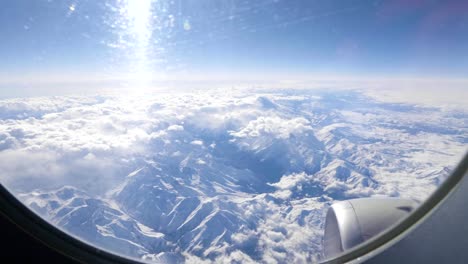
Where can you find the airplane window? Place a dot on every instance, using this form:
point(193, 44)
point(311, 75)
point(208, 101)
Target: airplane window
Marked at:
point(230, 131)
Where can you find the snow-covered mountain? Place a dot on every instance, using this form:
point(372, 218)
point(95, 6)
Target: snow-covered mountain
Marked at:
point(219, 176)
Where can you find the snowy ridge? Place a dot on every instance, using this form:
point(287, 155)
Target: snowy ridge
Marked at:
point(95, 221)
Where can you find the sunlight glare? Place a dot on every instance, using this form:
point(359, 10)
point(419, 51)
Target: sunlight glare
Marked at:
point(138, 29)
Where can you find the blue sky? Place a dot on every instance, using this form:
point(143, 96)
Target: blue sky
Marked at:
point(72, 39)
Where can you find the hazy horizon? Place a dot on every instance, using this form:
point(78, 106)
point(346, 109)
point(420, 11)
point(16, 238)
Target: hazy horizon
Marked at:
point(115, 43)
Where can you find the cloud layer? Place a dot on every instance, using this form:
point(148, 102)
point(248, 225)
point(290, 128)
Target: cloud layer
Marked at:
point(231, 176)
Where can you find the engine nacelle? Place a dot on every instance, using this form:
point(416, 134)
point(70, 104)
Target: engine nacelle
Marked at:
point(349, 223)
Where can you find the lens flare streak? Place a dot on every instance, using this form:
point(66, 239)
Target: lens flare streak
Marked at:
point(134, 23)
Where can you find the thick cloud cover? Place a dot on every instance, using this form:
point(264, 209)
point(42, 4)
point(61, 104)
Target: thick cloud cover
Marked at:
point(219, 176)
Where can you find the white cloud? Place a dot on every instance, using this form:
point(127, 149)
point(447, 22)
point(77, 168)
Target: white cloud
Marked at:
point(175, 128)
point(197, 142)
point(273, 126)
point(287, 182)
